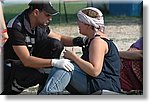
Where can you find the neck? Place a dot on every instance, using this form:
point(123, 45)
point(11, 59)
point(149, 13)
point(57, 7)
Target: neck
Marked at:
point(91, 34)
point(103, 35)
point(32, 21)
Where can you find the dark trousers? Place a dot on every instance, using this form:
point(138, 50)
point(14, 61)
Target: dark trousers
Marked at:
point(17, 77)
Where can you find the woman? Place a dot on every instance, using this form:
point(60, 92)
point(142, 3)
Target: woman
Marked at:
point(99, 66)
point(131, 76)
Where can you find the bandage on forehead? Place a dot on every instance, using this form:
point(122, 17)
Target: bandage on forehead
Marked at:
point(91, 16)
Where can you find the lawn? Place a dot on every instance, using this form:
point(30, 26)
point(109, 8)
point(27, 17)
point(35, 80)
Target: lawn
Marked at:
point(11, 10)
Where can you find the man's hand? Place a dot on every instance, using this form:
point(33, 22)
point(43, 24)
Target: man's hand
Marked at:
point(63, 63)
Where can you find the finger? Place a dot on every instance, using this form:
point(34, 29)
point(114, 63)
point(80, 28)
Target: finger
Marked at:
point(71, 66)
point(68, 67)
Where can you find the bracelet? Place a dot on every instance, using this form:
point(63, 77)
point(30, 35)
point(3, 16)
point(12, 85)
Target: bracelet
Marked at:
point(51, 62)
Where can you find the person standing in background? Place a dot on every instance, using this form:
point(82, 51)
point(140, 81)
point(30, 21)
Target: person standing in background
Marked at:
point(3, 30)
point(3, 34)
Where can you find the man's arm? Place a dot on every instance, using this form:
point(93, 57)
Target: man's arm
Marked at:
point(67, 40)
point(35, 62)
point(30, 61)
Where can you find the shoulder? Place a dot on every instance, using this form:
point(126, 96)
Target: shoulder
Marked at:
point(14, 27)
point(98, 41)
point(99, 44)
point(14, 24)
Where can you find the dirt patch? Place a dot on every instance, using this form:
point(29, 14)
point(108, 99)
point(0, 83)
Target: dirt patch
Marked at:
point(123, 32)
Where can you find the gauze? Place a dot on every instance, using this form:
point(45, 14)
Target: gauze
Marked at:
point(97, 22)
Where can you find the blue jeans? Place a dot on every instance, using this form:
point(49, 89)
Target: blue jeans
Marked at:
point(59, 79)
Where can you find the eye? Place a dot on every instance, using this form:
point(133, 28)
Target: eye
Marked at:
point(46, 14)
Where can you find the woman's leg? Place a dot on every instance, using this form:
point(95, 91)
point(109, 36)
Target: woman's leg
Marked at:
point(78, 83)
point(57, 81)
point(47, 48)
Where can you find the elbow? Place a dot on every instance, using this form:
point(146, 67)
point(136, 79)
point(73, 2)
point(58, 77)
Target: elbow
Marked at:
point(27, 64)
point(95, 73)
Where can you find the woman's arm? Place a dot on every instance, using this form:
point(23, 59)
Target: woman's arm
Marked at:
point(97, 51)
point(132, 54)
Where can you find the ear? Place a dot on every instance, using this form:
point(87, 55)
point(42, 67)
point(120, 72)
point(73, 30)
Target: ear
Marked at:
point(36, 12)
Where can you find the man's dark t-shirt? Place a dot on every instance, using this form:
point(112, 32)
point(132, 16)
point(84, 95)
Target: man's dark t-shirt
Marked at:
point(21, 34)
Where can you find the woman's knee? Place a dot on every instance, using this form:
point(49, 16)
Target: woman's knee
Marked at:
point(57, 81)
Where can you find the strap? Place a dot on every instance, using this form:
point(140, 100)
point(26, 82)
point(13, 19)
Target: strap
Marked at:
point(96, 35)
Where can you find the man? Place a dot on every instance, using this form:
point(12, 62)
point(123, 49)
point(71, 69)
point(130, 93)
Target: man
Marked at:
point(31, 47)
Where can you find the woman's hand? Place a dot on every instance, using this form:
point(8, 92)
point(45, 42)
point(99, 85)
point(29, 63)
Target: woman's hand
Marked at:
point(69, 54)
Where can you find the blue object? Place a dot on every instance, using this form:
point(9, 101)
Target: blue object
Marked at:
point(127, 9)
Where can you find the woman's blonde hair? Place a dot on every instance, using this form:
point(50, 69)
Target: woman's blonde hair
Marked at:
point(94, 14)
point(90, 13)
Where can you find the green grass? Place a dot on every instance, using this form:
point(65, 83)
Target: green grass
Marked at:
point(11, 10)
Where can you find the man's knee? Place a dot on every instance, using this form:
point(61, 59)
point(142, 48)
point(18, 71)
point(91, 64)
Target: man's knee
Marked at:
point(48, 48)
point(58, 46)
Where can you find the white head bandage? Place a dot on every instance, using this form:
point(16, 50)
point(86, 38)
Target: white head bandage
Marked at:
point(97, 22)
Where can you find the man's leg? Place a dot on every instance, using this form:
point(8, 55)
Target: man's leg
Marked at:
point(27, 77)
point(7, 81)
point(20, 78)
point(48, 48)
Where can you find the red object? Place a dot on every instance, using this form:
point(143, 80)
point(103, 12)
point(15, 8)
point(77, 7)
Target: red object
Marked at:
point(131, 74)
point(4, 31)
